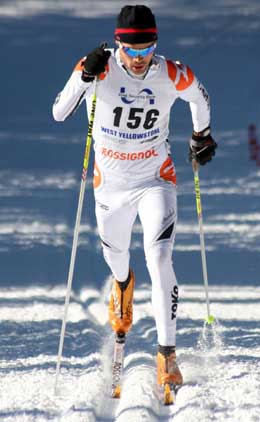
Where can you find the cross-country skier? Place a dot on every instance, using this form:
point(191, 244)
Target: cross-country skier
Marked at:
point(134, 172)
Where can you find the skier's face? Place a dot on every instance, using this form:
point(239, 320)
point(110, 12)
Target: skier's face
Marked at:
point(136, 63)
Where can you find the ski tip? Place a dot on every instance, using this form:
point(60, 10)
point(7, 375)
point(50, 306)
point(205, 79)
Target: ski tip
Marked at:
point(210, 319)
point(168, 395)
point(116, 392)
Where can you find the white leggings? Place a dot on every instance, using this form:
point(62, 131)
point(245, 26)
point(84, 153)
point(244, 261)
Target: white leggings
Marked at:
point(156, 205)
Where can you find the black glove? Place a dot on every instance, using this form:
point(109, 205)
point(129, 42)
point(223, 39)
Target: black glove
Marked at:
point(202, 146)
point(95, 63)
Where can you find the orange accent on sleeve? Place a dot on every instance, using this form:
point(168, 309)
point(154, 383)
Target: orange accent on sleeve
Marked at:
point(104, 74)
point(172, 71)
point(80, 65)
point(186, 78)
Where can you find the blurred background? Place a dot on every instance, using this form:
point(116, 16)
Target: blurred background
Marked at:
point(41, 160)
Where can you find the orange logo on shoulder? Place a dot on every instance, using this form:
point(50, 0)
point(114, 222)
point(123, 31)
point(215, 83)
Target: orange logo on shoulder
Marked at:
point(181, 75)
point(186, 77)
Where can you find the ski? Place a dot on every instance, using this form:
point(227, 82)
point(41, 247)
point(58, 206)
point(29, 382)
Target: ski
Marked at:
point(167, 393)
point(118, 365)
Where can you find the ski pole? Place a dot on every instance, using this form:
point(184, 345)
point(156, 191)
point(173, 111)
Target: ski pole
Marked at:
point(76, 230)
point(195, 166)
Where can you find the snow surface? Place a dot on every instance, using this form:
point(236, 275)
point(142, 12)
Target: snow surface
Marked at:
point(220, 365)
point(40, 169)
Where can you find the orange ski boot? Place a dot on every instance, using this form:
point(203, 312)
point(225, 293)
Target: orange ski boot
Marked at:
point(121, 304)
point(167, 368)
point(169, 376)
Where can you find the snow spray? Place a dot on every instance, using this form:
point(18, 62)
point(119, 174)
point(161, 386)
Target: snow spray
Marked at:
point(210, 339)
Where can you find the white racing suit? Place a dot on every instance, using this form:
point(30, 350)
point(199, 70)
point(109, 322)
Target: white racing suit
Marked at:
point(134, 172)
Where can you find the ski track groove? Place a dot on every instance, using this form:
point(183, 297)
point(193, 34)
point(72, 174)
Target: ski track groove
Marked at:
point(27, 382)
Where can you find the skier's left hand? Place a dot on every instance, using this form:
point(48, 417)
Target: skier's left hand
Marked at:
point(202, 147)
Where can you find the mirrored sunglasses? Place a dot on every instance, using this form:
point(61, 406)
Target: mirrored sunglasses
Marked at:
point(132, 52)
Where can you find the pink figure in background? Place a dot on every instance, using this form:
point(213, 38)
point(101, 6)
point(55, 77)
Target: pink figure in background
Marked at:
point(257, 155)
point(252, 143)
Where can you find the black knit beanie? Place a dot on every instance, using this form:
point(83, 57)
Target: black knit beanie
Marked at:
point(136, 25)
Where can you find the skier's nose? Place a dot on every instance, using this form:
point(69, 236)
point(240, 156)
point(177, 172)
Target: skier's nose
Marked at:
point(138, 58)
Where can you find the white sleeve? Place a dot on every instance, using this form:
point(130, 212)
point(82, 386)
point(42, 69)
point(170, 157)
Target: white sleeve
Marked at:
point(70, 98)
point(199, 103)
point(189, 89)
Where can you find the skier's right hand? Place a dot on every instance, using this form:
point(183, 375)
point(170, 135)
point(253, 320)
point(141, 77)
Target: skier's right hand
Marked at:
point(95, 63)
